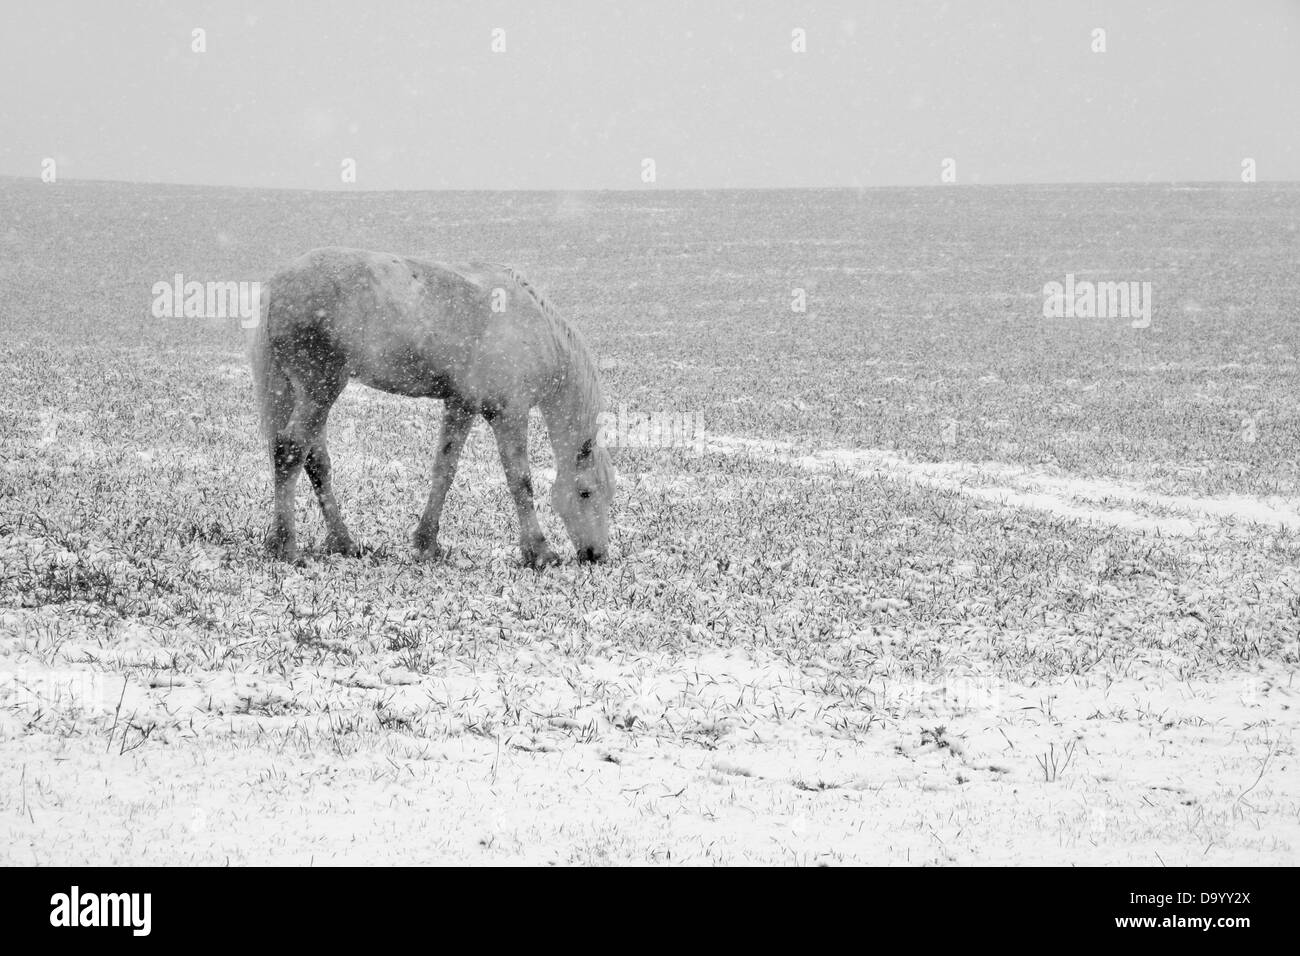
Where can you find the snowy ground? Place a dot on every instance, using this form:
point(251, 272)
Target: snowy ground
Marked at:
point(1063, 631)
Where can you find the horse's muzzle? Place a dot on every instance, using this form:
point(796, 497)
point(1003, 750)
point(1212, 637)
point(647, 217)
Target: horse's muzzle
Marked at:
point(591, 555)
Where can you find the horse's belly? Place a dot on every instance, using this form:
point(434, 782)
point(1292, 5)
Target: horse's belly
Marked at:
point(414, 381)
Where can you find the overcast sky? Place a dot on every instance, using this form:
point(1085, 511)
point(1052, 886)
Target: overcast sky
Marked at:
point(711, 91)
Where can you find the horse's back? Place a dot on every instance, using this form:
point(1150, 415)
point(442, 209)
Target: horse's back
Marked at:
point(335, 285)
point(404, 324)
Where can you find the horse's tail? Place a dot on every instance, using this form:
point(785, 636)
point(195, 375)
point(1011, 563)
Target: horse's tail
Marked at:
point(271, 385)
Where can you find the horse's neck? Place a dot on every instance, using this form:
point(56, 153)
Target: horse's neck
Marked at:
point(563, 445)
point(572, 410)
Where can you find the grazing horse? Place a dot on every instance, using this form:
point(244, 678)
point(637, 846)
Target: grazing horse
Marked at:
point(479, 337)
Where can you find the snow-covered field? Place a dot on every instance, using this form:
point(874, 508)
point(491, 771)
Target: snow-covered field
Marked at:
point(947, 582)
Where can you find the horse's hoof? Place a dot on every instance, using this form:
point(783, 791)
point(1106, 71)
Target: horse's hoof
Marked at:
point(538, 558)
point(281, 547)
point(429, 553)
point(426, 546)
point(344, 546)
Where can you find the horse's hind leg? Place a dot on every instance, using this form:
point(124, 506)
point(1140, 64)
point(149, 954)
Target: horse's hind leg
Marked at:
point(298, 442)
point(511, 429)
point(337, 538)
point(312, 436)
point(281, 540)
point(286, 463)
point(457, 420)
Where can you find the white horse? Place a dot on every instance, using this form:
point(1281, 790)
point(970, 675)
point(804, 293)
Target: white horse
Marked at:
point(479, 337)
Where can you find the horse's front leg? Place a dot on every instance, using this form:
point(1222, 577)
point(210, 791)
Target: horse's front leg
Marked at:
point(512, 442)
point(457, 420)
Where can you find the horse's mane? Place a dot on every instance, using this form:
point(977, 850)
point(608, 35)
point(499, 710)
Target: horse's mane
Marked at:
point(581, 382)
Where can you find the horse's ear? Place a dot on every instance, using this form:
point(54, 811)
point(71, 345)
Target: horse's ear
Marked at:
point(584, 452)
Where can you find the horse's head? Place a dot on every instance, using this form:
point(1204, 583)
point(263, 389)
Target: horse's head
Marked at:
point(582, 495)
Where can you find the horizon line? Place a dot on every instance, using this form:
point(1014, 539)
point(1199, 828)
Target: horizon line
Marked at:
point(346, 190)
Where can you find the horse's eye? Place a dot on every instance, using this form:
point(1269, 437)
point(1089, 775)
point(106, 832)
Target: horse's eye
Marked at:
point(584, 494)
